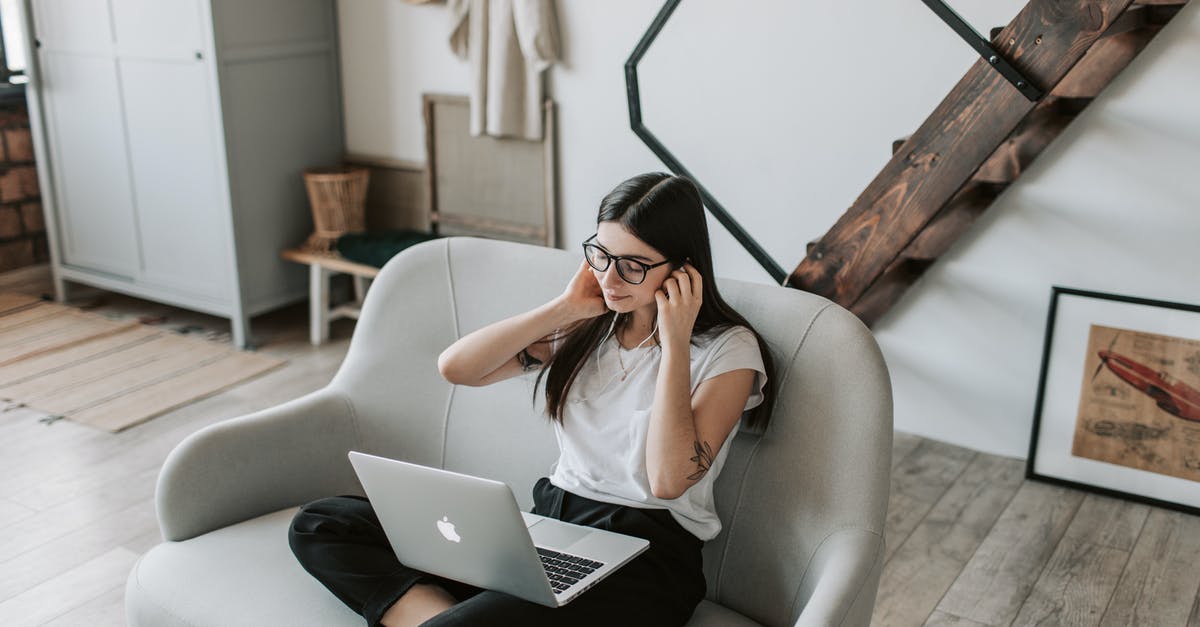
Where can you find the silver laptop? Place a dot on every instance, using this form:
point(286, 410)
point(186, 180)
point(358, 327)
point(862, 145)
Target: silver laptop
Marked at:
point(470, 529)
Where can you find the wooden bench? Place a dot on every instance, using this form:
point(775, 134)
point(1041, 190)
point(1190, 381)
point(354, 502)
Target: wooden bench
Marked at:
point(321, 267)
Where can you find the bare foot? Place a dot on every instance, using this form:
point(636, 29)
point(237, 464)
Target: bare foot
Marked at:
point(421, 603)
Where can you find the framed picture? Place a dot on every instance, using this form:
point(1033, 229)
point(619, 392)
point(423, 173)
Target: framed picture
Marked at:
point(503, 188)
point(1118, 405)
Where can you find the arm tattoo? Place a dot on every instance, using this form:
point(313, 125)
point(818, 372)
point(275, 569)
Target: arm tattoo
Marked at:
point(528, 362)
point(704, 459)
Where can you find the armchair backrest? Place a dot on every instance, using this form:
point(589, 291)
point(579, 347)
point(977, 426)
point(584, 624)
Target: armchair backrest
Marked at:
point(821, 465)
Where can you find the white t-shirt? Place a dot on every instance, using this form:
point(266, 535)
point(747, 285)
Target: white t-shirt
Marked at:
point(602, 437)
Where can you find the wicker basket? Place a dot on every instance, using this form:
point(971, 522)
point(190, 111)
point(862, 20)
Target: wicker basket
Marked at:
point(337, 196)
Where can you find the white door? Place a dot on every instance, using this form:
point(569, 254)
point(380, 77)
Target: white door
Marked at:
point(84, 124)
point(173, 130)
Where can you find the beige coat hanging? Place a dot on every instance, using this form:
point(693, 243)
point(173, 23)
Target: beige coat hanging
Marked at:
point(508, 43)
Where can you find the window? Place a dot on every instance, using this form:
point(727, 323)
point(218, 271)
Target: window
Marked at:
point(12, 43)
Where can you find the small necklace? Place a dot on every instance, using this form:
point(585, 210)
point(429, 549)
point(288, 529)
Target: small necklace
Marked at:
point(625, 372)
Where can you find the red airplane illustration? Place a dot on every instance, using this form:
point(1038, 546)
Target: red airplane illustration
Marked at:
point(1170, 394)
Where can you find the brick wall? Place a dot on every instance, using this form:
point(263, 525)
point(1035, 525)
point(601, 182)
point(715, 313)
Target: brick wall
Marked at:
point(22, 229)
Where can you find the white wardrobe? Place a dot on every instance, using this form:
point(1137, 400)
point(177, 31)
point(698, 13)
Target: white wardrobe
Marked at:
point(171, 136)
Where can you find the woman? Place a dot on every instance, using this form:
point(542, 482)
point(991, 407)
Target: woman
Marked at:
point(647, 372)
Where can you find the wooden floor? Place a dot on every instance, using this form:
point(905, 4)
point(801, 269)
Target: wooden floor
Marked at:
point(969, 541)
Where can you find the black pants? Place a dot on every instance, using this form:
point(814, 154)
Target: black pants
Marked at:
point(340, 542)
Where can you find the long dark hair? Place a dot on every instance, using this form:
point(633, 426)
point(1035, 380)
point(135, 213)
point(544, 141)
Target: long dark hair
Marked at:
point(666, 213)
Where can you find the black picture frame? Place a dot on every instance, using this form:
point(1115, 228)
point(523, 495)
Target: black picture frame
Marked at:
point(1127, 439)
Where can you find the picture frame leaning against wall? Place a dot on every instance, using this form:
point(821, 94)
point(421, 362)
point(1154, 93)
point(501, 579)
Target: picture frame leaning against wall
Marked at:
point(1118, 403)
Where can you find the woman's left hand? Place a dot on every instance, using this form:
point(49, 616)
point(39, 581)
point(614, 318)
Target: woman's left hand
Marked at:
point(679, 300)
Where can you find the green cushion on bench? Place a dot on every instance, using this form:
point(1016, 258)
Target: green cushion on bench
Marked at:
point(375, 248)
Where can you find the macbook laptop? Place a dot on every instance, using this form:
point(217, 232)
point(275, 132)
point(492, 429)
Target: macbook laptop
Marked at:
point(470, 529)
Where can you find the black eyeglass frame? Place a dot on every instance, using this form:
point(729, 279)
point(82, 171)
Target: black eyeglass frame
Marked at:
point(646, 267)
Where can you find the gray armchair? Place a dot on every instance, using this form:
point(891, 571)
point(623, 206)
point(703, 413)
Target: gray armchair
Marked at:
point(803, 503)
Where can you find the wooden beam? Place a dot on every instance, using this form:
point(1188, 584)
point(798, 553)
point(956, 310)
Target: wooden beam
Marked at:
point(1013, 157)
point(1103, 62)
point(931, 243)
point(1107, 58)
point(1044, 42)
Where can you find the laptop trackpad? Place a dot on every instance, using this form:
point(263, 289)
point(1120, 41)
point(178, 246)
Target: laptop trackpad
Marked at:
point(553, 534)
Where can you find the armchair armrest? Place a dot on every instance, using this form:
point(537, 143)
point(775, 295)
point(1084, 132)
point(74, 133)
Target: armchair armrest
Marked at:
point(258, 463)
point(842, 579)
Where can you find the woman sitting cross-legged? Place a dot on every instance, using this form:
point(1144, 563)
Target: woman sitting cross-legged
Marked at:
point(647, 373)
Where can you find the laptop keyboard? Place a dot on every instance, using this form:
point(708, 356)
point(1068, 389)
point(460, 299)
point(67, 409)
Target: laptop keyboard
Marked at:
point(565, 570)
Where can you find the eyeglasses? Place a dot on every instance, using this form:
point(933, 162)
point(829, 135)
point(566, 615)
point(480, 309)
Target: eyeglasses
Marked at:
point(630, 270)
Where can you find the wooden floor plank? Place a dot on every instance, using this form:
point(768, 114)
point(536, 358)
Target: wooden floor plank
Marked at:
point(942, 619)
point(60, 595)
point(51, 559)
point(1082, 574)
point(106, 609)
point(1075, 586)
point(1160, 583)
point(929, 561)
point(72, 478)
point(46, 451)
point(920, 479)
point(1111, 522)
point(144, 541)
point(999, 576)
point(56, 522)
point(11, 512)
point(25, 434)
point(902, 445)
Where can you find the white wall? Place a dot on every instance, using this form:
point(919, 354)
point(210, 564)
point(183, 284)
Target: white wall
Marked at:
point(787, 110)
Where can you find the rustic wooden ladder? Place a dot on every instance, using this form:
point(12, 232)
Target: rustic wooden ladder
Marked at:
point(975, 144)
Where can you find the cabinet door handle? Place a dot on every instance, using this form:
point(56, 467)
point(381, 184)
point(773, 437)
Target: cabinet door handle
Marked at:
point(199, 55)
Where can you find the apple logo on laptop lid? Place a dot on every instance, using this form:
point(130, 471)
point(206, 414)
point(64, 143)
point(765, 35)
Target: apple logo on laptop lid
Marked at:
point(446, 528)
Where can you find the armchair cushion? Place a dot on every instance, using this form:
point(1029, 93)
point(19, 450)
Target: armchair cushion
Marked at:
point(237, 575)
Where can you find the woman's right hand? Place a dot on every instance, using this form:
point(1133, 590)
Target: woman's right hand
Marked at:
point(583, 298)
